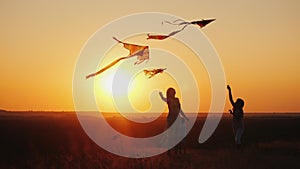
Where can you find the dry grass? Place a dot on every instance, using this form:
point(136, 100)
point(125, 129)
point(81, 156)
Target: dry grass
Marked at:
point(59, 142)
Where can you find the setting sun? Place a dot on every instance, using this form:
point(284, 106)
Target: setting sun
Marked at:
point(125, 87)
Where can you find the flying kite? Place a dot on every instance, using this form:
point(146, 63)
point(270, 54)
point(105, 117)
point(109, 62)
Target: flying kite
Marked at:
point(153, 72)
point(142, 53)
point(200, 23)
point(161, 37)
point(179, 22)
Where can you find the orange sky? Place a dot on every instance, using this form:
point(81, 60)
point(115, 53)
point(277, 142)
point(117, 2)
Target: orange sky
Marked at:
point(257, 41)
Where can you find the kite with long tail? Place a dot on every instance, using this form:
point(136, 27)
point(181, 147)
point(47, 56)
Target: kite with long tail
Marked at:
point(201, 23)
point(161, 37)
point(142, 53)
point(153, 72)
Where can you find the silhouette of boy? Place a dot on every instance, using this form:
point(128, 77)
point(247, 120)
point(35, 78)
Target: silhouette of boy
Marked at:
point(237, 121)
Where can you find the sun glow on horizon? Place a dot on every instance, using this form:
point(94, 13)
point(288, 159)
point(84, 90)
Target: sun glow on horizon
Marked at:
point(139, 91)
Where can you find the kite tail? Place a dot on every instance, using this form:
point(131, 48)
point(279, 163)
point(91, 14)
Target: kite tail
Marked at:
point(162, 37)
point(171, 23)
point(175, 32)
point(117, 40)
point(158, 37)
point(105, 68)
point(182, 22)
point(178, 20)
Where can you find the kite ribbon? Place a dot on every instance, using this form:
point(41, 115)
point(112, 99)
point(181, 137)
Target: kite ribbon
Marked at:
point(200, 23)
point(161, 37)
point(174, 22)
point(142, 53)
point(106, 67)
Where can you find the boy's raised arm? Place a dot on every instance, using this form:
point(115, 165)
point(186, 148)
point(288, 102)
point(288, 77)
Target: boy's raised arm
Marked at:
point(230, 95)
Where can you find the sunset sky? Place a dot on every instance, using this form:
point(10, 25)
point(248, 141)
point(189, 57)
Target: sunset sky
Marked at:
point(257, 42)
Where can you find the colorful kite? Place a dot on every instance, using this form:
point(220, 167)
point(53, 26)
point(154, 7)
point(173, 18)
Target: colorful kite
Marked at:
point(153, 72)
point(142, 53)
point(179, 22)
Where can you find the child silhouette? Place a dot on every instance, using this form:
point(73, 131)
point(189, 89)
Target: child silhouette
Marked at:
point(237, 120)
point(174, 112)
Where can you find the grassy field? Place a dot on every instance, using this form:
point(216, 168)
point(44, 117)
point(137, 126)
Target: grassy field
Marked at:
point(56, 140)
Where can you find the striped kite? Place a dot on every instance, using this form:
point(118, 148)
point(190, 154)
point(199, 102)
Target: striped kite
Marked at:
point(153, 72)
point(142, 53)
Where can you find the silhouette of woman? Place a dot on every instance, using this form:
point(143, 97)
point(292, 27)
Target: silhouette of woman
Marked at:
point(237, 121)
point(174, 109)
point(173, 106)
